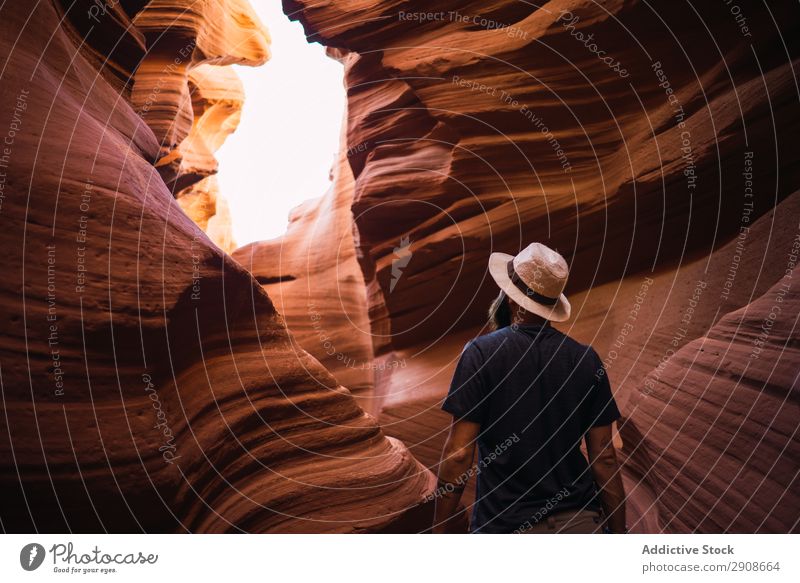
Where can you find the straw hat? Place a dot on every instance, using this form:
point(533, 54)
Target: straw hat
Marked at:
point(534, 279)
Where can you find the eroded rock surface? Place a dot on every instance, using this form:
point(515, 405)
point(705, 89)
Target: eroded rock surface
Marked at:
point(480, 126)
point(714, 426)
point(642, 142)
point(148, 381)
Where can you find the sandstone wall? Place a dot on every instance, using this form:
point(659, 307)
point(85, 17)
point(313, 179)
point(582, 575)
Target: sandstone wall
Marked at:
point(474, 138)
point(148, 382)
point(714, 428)
point(476, 127)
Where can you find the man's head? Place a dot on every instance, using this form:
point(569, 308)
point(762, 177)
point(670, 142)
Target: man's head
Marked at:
point(534, 282)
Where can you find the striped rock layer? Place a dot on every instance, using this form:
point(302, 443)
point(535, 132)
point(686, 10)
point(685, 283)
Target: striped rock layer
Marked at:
point(655, 147)
point(148, 382)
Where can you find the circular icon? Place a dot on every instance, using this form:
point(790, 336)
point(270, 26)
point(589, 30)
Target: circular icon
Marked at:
point(31, 556)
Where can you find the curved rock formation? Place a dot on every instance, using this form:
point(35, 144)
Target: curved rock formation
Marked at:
point(482, 125)
point(189, 97)
point(217, 97)
point(203, 203)
point(148, 382)
point(714, 430)
point(219, 227)
point(180, 37)
point(641, 142)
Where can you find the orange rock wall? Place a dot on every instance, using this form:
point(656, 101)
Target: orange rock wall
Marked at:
point(480, 126)
point(476, 127)
point(148, 382)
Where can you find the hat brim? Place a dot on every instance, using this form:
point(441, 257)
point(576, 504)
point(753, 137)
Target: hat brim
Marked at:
point(498, 268)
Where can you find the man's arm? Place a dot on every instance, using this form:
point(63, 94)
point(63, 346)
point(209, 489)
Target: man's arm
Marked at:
point(603, 461)
point(456, 461)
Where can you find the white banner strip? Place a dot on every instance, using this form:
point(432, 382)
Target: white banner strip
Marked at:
point(401, 558)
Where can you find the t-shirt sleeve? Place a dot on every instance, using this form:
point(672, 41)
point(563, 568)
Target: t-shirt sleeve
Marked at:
point(602, 408)
point(467, 396)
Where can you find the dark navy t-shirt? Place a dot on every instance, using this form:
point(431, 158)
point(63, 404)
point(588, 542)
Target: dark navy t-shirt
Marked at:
point(535, 393)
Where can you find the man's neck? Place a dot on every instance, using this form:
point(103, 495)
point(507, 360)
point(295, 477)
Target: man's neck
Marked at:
point(531, 321)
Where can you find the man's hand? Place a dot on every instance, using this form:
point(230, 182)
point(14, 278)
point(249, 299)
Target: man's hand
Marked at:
point(453, 473)
point(603, 461)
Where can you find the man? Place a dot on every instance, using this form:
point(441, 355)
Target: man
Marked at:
point(528, 395)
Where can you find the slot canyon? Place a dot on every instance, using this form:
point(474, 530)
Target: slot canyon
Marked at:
point(157, 377)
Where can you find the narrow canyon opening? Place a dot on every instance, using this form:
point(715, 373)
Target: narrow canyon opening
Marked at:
point(285, 145)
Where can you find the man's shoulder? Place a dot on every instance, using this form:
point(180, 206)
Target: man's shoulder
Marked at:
point(584, 352)
point(486, 343)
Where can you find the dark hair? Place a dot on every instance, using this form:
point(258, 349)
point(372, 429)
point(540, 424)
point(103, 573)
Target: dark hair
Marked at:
point(499, 312)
